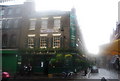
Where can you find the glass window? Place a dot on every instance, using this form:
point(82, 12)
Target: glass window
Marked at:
point(9, 11)
point(4, 40)
point(30, 42)
point(56, 42)
point(8, 23)
point(13, 41)
point(16, 23)
point(0, 24)
point(44, 23)
point(32, 24)
point(17, 10)
point(43, 42)
point(56, 23)
point(1, 12)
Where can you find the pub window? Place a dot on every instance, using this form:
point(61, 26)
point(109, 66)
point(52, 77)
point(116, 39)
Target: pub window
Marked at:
point(56, 41)
point(31, 39)
point(43, 42)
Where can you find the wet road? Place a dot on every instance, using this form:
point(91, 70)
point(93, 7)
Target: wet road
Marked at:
point(108, 74)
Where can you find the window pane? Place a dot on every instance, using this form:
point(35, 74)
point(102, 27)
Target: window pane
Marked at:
point(13, 41)
point(56, 42)
point(32, 24)
point(0, 24)
point(16, 23)
point(17, 10)
point(9, 11)
point(8, 23)
point(44, 24)
point(31, 42)
point(1, 12)
point(57, 23)
point(43, 42)
point(4, 40)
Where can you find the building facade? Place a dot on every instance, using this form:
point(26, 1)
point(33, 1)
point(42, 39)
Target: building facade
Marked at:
point(24, 28)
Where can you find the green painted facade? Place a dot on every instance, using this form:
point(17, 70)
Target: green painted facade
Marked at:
point(9, 61)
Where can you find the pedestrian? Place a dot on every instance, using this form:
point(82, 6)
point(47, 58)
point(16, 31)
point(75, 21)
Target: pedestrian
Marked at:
point(29, 69)
point(85, 71)
point(103, 79)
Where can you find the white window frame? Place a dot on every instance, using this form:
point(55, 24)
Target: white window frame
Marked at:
point(31, 41)
point(57, 22)
point(43, 40)
point(44, 22)
point(56, 40)
point(32, 24)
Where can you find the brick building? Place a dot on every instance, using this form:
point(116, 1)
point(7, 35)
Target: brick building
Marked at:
point(22, 27)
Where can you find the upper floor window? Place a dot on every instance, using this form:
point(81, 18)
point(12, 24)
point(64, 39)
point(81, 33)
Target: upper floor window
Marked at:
point(31, 39)
point(9, 11)
point(44, 23)
point(0, 24)
point(56, 40)
point(57, 22)
point(16, 23)
point(13, 40)
point(43, 40)
point(1, 12)
point(17, 10)
point(32, 24)
point(8, 22)
point(4, 40)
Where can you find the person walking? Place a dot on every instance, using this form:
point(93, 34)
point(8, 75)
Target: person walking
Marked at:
point(103, 79)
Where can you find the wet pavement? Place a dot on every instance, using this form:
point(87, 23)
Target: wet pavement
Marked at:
point(110, 75)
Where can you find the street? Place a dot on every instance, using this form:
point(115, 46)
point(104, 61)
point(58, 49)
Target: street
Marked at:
point(110, 75)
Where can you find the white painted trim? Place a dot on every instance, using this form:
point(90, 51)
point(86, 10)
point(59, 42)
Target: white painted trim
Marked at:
point(31, 35)
point(56, 34)
point(33, 19)
point(57, 17)
point(44, 17)
point(43, 34)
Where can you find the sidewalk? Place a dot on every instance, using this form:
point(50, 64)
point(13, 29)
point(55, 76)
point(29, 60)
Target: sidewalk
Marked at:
point(79, 75)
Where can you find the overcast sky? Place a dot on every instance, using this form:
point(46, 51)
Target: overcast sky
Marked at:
point(96, 18)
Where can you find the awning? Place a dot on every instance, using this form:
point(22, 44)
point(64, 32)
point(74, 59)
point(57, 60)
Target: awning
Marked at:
point(113, 48)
